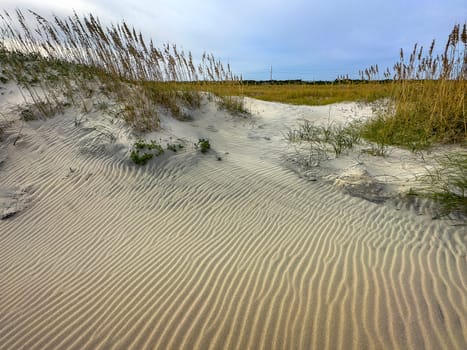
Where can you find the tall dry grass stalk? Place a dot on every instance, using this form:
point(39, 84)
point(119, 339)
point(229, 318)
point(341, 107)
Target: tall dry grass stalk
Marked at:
point(428, 100)
point(132, 69)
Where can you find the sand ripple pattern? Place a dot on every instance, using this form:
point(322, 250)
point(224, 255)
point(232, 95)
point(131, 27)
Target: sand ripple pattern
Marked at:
point(216, 255)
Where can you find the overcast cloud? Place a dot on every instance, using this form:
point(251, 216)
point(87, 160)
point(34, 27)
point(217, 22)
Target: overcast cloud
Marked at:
point(300, 39)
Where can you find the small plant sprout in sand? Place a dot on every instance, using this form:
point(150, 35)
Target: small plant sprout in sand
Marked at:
point(203, 145)
point(174, 147)
point(142, 151)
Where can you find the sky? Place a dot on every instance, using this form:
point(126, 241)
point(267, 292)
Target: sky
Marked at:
point(297, 39)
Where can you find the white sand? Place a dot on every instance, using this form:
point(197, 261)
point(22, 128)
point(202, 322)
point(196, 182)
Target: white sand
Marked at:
point(189, 252)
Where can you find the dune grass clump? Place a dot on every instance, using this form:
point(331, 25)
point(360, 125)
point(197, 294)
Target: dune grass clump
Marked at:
point(233, 104)
point(428, 102)
point(65, 59)
point(446, 183)
point(321, 140)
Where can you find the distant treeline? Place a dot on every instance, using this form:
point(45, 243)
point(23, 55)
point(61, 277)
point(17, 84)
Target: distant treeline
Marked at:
point(314, 82)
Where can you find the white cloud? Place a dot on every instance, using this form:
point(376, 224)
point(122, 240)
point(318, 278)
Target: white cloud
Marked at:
point(63, 7)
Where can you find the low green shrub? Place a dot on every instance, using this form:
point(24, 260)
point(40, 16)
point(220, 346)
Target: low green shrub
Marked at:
point(151, 149)
point(174, 147)
point(203, 145)
point(140, 144)
point(140, 159)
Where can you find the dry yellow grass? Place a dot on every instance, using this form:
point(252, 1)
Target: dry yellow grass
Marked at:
point(429, 96)
point(51, 58)
point(307, 93)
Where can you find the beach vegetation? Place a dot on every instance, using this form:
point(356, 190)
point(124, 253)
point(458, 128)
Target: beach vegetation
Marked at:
point(300, 92)
point(143, 151)
point(427, 103)
point(446, 183)
point(376, 131)
point(322, 139)
point(233, 104)
point(420, 102)
point(203, 145)
point(140, 159)
point(174, 147)
point(67, 58)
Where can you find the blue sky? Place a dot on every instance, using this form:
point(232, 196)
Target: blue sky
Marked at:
point(300, 39)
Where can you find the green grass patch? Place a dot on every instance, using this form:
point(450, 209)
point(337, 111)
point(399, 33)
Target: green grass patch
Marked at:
point(322, 140)
point(446, 183)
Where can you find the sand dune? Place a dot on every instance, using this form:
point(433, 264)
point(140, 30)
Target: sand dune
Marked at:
point(190, 252)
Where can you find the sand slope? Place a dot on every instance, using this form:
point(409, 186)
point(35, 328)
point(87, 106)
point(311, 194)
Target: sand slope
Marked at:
point(194, 253)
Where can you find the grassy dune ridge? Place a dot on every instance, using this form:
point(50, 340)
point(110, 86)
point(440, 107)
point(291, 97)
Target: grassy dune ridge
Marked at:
point(429, 95)
point(425, 94)
point(67, 62)
point(59, 61)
